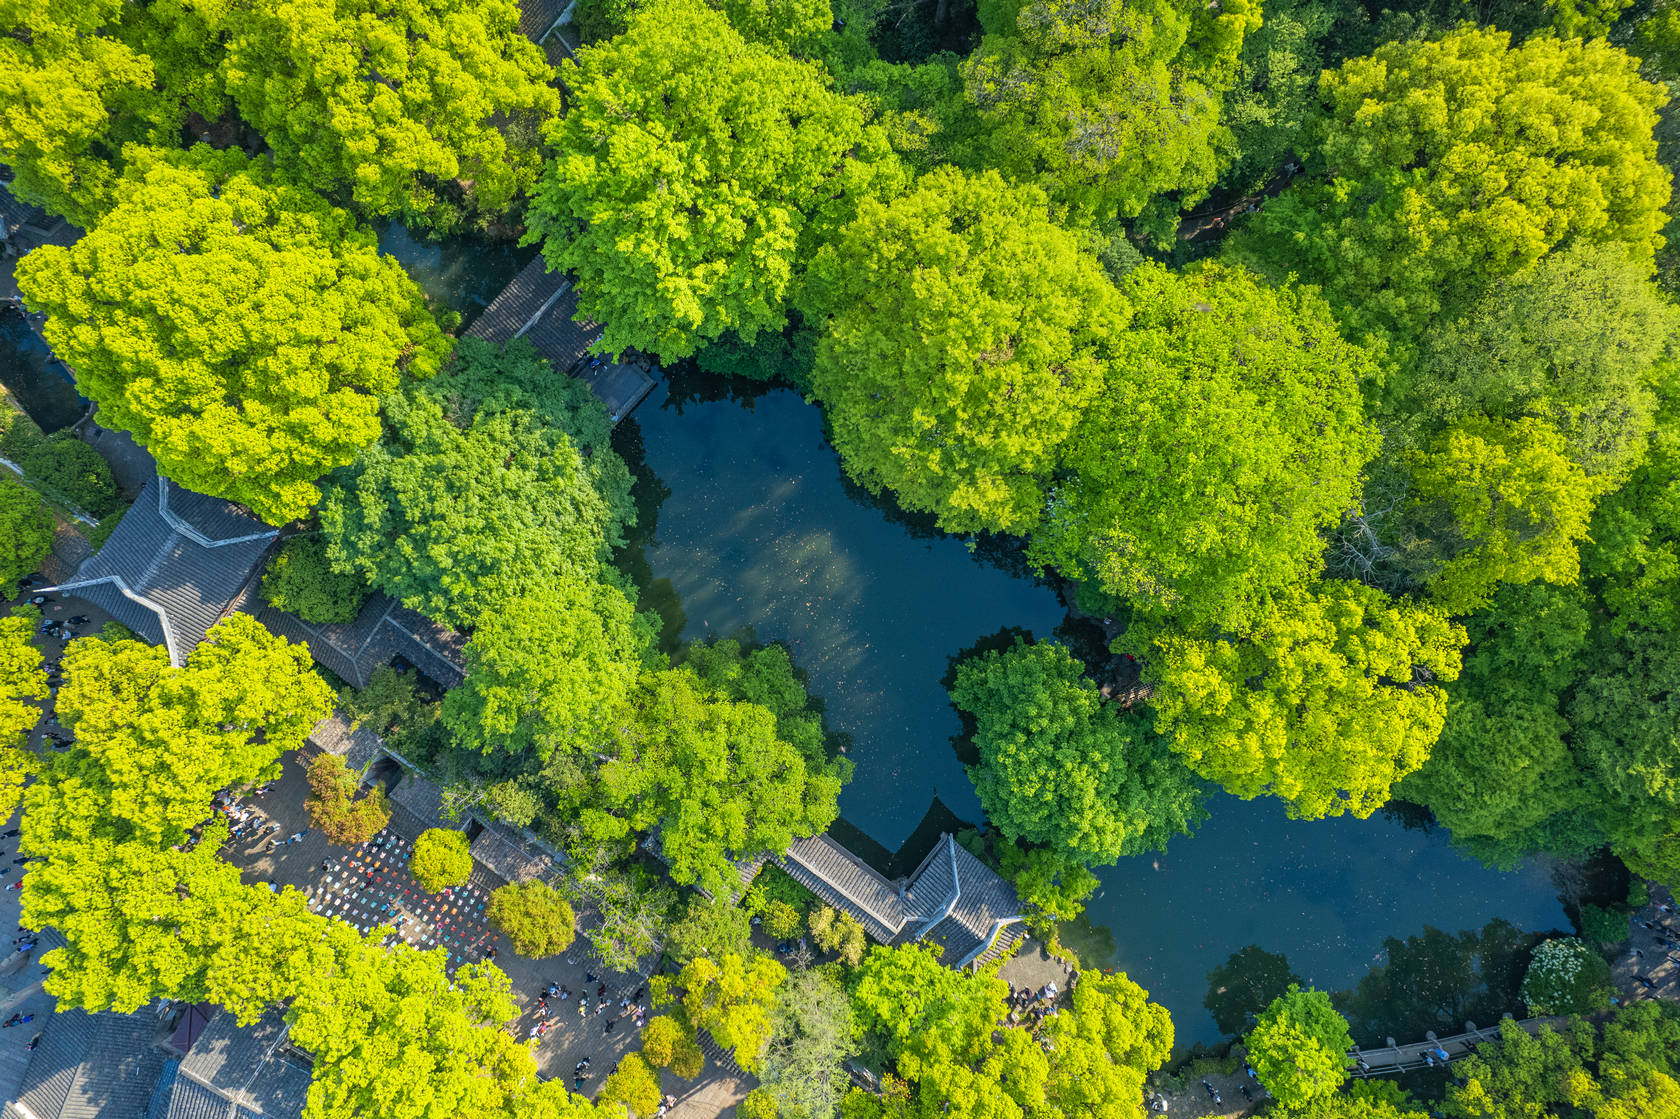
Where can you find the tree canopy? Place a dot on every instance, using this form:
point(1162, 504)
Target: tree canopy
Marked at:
point(1334, 695)
point(26, 529)
point(1228, 436)
point(1299, 1047)
point(242, 329)
point(1438, 166)
point(964, 335)
point(22, 688)
point(476, 497)
point(1061, 768)
point(401, 106)
point(688, 163)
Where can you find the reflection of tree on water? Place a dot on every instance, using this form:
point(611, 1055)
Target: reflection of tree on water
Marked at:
point(649, 491)
point(962, 743)
point(1432, 981)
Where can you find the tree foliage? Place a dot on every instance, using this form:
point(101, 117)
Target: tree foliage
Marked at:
point(689, 162)
point(26, 530)
point(1334, 695)
point(401, 106)
point(535, 917)
point(301, 580)
point(964, 334)
point(1229, 436)
point(731, 997)
point(22, 689)
point(1105, 104)
point(548, 670)
point(242, 329)
point(1060, 768)
point(441, 859)
point(810, 1038)
point(714, 777)
point(1566, 977)
point(334, 808)
point(1442, 165)
point(478, 494)
point(1299, 1047)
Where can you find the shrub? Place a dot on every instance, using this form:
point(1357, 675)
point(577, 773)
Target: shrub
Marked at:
point(301, 581)
point(1638, 894)
point(26, 530)
point(534, 916)
point(101, 532)
point(441, 859)
point(1566, 977)
point(73, 471)
point(334, 808)
point(778, 901)
point(840, 933)
point(1604, 926)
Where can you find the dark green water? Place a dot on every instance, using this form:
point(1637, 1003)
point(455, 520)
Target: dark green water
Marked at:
point(757, 527)
point(40, 385)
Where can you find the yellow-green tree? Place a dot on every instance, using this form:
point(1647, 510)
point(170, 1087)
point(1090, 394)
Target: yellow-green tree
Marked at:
point(1299, 1048)
point(1441, 165)
point(1331, 695)
point(1229, 434)
point(964, 334)
point(414, 108)
point(242, 329)
point(22, 688)
point(731, 997)
point(688, 164)
point(1106, 105)
point(26, 529)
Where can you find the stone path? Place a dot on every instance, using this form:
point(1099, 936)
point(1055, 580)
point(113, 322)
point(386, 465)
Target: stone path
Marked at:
point(1651, 953)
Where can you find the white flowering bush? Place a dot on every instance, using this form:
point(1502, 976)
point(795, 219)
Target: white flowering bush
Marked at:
point(1566, 977)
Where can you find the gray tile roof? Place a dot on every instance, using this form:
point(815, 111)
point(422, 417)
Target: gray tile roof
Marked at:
point(174, 565)
point(537, 16)
point(233, 1071)
point(510, 856)
point(843, 880)
point(98, 1066)
point(383, 630)
point(421, 799)
point(539, 306)
point(358, 746)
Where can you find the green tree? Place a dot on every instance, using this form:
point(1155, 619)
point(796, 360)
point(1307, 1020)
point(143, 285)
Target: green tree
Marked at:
point(1633, 549)
point(1441, 165)
point(708, 927)
point(1104, 1045)
point(334, 808)
point(181, 315)
point(72, 95)
point(1105, 105)
point(666, 1044)
point(1333, 697)
point(1587, 365)
point(441, 859)
point(460, 510)
point(689, 161)
point(810, 1039)
point(965, 333)
point(535, 917)
point(73, 471)
point(634, 1084)
point(1299, 1047)
point(1246, 984)
point(26, 530)
point(1060, 768)
point(629, 906)
point(1275, 88)
point(1502, 777)
point(22, 689)
point(1229, 436)
point(1052, 883)
point(301, 579)
point(546, 671)
point(715, 778)
point(838, 932)
point(404, 106)
point(1496, 502)
point(731, 997)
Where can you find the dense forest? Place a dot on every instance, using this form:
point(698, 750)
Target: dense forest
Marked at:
point(1325, 351)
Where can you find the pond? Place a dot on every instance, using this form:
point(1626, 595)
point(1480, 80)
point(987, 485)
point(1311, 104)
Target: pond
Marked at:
point(41, 386)
point(758, 527)
point(461, 274)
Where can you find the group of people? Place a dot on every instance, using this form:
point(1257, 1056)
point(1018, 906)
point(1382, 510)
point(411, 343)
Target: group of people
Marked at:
point(630, 1006)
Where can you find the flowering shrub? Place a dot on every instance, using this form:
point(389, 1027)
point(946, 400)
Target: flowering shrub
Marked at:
point(1566, 977)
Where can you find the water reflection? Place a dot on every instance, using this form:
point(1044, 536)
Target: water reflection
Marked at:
point(461, 274)
point(38, 382)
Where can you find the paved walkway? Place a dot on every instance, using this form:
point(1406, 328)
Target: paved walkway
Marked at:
point(1651, 954)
